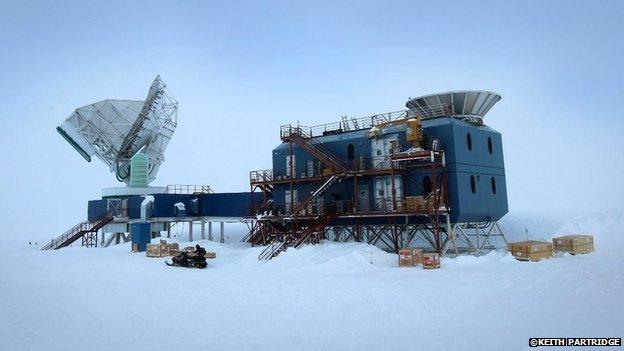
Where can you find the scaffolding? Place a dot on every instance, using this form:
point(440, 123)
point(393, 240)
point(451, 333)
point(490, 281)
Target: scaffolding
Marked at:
point(393, 224)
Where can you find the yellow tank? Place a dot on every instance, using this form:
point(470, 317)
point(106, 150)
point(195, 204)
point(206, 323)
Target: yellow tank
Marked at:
point(414, 131)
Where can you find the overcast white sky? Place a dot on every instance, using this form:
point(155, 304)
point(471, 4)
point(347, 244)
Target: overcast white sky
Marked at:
point(240, 70)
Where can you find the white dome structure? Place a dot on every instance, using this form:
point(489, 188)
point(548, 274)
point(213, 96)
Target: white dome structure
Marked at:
point(465, 104)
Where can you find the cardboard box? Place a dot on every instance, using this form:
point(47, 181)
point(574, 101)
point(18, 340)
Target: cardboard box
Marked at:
point(531, 250)
point(175, 246)
point(406, 258)
point(431, 260)
point(574, 244)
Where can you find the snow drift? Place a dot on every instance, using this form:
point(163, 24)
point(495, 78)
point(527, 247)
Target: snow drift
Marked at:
point(329, 296)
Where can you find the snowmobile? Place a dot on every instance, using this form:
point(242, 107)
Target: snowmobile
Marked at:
point(194, 259)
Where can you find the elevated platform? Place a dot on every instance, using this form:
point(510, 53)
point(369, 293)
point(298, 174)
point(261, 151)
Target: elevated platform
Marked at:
point(123, 191)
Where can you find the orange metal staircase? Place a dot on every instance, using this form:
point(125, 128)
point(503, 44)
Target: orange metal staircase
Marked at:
point(76, 232)
point(318, 192)
point(299, 237)
point(306, 142)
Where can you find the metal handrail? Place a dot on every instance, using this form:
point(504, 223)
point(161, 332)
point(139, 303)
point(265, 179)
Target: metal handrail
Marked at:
point(263, 175)
point(346, 125)
point(188, 189)
point(365, 122)
point(270, 250)
point(54, 243)
point(363, 164)
point(82, 226)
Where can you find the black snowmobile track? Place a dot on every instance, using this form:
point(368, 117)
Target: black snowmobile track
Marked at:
point(177, 265)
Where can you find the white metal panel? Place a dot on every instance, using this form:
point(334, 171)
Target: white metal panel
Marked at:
point(291, 163)
point(287, 200)
point(381, 149)
point(382, 187)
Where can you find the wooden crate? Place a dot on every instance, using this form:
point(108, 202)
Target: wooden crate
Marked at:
point(417, 256)
point(415, 203)
point(531, 250)
point(406, 258)
point(431, 260)
point(158, 250)
point(574, 244)
point(153, 250)
point(165, 250)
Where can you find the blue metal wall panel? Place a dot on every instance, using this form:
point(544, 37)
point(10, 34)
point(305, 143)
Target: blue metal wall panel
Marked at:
point(210, 205)
point(483, 204)
point(229, 204)
point(164, 204)
point(96, 210)
point(134, 207)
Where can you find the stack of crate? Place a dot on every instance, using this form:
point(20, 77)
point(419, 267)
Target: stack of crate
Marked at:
point(174, 249)
point(162, 249)
point(574, 244)
point(531, 250)
point(412, 257)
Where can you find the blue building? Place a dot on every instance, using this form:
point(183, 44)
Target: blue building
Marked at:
point(163, 208)
point(433, 168)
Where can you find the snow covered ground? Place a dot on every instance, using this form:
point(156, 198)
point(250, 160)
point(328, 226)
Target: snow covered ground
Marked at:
point(325, 297)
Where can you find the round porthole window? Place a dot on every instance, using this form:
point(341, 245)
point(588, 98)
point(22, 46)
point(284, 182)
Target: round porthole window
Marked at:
point(473, 184)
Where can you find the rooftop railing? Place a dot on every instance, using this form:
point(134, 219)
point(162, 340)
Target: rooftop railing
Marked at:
point(349, 124)
point(259, 176)
point(188, 189)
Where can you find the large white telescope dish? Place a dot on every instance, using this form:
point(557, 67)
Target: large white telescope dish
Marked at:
point(115, 130)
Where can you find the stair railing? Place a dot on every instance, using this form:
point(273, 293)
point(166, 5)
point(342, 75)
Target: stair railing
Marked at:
point(54, 243)
point(270, 250)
